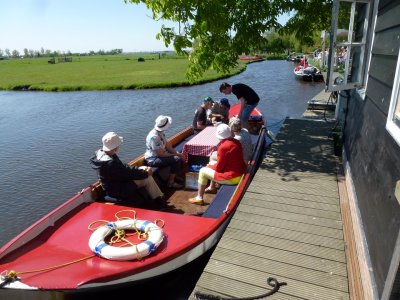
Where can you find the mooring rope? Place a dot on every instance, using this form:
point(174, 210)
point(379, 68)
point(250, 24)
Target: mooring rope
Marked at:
point(270, 280)
point(119, 235)
point(9, 276)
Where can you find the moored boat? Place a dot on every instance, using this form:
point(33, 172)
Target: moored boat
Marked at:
point(293, 58)
point(309, 73)
point(256, 120)
point(70, 249)
point(250, 57)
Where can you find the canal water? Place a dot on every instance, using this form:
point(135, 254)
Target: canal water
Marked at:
point(48, 138)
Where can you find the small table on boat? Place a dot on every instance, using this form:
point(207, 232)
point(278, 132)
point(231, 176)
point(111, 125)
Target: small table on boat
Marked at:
point(202, 144)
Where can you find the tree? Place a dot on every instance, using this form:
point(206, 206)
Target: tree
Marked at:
point(213, 33)
point(275, 42)
point(15, 53)
point(309, 17)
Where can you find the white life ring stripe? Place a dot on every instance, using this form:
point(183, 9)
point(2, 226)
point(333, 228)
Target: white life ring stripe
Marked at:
point(102, 249)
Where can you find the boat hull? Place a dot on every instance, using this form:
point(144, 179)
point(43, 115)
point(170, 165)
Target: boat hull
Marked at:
point(53, 255)
point(302, 74)
point(256, 120)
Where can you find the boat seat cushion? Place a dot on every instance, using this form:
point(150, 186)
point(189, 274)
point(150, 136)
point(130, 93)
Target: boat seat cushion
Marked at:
point(221, 200)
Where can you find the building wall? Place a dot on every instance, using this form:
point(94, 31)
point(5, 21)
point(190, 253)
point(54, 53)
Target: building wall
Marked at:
point(373, 155)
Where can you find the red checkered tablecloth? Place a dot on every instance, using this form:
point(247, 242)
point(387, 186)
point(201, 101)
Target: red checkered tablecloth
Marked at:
point(202, 144)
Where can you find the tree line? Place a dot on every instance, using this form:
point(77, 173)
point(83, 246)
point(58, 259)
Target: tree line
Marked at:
point(49, 53)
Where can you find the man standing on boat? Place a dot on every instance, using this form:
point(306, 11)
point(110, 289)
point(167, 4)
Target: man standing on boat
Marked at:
point(119, 180)
point(248, 99)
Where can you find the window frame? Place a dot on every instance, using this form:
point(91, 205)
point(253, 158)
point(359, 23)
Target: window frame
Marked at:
point(365, 44)
point(393, 123)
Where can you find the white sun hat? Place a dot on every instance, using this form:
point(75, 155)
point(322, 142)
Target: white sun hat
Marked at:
point(163, 123)
point(111, 140)
point(223, 132)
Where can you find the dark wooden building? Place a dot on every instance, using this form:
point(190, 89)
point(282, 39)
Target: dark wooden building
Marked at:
point(369, 114)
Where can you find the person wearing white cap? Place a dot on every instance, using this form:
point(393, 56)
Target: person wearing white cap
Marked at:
point(159, 153)
point(242, 135)
point(119, 180)
point(228, 169)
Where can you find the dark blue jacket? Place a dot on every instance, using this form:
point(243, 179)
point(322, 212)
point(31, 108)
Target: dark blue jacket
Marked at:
point(115, 176)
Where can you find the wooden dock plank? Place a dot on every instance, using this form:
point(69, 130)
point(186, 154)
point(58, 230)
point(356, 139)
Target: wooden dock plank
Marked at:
point(313, 220)
point(278, 269)
point(293, 175)
point(288, 224)
point(292, 194)
point(293, 258)
point(290, 187)
point(259, 200)
point(315, 183)
point(254, 277)
point(256, 233)
point(228, 288)
point(290, 206)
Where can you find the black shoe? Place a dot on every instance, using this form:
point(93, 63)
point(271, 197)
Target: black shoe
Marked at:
point(162, 203)
point(175, 185)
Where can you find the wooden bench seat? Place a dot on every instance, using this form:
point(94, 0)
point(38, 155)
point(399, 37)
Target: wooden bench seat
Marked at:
point(221, 200)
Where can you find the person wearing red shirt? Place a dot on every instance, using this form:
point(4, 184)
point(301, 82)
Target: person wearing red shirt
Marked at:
point(228, 169)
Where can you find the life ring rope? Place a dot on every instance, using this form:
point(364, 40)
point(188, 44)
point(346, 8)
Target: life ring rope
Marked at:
point(150, 234)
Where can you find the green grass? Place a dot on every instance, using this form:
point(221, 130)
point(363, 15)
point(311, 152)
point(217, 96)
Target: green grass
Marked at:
point(99, 73)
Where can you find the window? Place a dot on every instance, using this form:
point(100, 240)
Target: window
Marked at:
point(350, 44)
point(393, 120)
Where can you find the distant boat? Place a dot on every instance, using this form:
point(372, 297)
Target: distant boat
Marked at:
point(250, 57)
point(310, 73)
point(70, 250)
point(294, 58)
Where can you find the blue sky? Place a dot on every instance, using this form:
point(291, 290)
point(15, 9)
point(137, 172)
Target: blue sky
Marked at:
point(78, 26)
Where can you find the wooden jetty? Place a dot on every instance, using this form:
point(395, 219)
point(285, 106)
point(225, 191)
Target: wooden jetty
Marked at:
point(288, 225)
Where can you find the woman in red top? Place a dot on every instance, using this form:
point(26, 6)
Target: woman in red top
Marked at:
point(228, 169)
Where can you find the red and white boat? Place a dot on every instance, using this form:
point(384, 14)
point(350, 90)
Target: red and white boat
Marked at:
point(256, 120)
point(54, 255)
point(309, 73)
point(250, 57)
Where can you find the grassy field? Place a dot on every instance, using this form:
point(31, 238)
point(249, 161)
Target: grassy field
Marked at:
point(101, 72)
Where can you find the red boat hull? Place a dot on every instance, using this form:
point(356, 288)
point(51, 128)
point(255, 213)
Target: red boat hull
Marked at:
point(256, 120)
point(53, 254)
